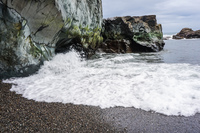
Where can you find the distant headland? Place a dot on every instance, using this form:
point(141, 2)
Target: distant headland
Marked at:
point(187, 33)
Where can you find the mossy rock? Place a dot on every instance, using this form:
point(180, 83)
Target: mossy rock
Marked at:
point(87, 37)
point(147, 36)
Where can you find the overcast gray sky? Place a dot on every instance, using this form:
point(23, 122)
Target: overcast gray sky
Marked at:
point(172, 14)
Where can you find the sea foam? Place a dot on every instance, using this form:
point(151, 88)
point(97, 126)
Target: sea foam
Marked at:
point(110, 80)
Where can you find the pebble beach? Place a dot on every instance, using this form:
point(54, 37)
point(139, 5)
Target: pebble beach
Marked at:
point(18, 114)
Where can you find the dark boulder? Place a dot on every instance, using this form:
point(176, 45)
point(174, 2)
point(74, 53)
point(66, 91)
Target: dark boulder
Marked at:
point(132, 34)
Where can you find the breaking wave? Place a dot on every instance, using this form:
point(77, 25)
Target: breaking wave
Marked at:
point(110, 80)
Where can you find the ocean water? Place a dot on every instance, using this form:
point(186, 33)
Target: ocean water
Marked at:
point(166, 82)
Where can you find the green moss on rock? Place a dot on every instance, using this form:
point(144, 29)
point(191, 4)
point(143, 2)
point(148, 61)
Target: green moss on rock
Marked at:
point(148, 37)
point(86, 36)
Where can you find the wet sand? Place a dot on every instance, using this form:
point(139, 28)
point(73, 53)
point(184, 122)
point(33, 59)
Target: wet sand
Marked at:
point(18, 114)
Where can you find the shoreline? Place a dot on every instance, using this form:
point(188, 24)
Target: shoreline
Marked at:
point(18, 114)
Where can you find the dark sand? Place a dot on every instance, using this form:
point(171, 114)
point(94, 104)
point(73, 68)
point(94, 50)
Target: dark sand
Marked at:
point(18, 114)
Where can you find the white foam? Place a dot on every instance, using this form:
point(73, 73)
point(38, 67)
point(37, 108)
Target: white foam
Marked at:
point(109, 81)
point(167, 37)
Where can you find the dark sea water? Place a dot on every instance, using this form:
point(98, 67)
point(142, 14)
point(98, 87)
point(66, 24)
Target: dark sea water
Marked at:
point(182, 51)
point(166, 82)
point(175, 51)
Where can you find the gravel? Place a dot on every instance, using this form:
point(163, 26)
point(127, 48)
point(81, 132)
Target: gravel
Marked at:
point(18, 114)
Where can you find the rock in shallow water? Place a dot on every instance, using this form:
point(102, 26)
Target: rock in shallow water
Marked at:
point(187, 33)
point(132, 34)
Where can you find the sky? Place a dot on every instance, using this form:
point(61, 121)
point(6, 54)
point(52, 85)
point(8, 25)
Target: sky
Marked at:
point(172, 14)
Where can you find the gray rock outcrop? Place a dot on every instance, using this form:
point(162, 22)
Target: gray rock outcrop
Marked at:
point(132, 34)
point(33, 31)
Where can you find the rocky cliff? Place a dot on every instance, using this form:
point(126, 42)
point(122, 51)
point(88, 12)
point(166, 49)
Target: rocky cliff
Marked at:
point(132, 34)
point(187, 33)
point(33, 31)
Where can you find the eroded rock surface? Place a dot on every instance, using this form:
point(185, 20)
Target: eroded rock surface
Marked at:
point(33, 31)
point(21, 50)
point(132, 34)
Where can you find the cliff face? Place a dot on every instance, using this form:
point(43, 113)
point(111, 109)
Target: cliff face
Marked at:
point(132, 34)
point(32, 31)
point(83, 24)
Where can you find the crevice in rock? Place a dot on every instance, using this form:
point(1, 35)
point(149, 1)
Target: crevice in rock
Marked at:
point(41, 28)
